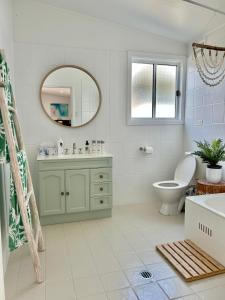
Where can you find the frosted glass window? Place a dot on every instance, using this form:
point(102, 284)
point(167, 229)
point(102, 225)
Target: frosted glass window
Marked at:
point(155, 90)
point(141, 94)
point(165, 91)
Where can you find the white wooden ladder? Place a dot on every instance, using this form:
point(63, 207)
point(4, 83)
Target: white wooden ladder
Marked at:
point(33, 231)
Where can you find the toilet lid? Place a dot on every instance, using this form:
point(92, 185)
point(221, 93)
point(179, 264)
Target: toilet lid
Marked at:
point(185, 169)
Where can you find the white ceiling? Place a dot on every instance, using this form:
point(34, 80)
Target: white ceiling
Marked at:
point(171, 18)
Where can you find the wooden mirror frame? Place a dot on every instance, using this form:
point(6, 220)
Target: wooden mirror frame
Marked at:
point(81, 69)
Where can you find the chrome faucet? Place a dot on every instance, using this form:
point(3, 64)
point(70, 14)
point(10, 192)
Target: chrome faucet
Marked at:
point(74, 148)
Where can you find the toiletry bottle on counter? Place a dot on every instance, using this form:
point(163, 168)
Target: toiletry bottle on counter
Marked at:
point(102, 147)
point(74, 148)
point(98, 147)
point(60, 147)
point(41, 150)
point(87, 148)
point(93, 146)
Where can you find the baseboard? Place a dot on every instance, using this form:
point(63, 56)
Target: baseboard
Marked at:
point(68, 218)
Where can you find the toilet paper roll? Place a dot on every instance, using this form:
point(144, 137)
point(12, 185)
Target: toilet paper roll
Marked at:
point(148, 150)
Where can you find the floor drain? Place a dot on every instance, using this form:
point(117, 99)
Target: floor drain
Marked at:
point(146, 274)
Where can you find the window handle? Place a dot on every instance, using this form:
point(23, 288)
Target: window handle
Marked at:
point(178, 93)
point(67, 193)
point(62, 193)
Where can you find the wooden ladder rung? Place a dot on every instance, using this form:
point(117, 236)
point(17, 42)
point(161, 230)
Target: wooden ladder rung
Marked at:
point(12, 109)
point(28, 195)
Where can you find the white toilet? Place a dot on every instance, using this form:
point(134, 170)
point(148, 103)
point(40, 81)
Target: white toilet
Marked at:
point(171, 192)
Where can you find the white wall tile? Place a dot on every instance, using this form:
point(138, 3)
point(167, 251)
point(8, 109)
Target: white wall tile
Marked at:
point(207, 114)
point(133, 172)
point(218, 113)
point(204, 117)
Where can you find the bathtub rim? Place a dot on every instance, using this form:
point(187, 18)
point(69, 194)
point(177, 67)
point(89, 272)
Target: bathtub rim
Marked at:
point(200, 201)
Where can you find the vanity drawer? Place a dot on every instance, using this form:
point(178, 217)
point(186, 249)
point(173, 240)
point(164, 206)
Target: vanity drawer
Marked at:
point(101, 174)
point(103, 188)
point(103, 202)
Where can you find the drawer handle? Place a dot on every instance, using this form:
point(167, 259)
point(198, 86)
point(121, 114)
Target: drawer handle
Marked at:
point(62, 193)
point(101, 189)
point(100, 176)
point(67, 193)
point(101, 201)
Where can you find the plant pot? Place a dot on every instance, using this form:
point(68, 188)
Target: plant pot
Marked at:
point(214, 174)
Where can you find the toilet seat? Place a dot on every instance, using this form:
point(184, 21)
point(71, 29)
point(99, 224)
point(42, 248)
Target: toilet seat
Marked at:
point(172, 192)
point(169, 184)
point(182, 177)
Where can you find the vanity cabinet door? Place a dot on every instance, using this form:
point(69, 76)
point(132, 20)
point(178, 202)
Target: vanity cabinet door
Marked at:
point(77, 190)
point(52, 193)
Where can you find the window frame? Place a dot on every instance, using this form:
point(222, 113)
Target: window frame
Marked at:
point(158, 59)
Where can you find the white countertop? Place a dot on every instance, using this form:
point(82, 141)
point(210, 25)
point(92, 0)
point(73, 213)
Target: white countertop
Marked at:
point(73, 156)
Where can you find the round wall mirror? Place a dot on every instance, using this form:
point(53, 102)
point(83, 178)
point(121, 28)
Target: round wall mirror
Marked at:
point(70, 96)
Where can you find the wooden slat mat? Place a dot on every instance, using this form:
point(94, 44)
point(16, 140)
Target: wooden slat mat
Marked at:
point(189, 260)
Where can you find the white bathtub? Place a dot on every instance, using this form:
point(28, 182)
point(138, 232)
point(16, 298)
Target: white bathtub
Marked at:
point(205, 224)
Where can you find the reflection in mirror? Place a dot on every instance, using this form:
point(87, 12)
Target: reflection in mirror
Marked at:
point(70, 96)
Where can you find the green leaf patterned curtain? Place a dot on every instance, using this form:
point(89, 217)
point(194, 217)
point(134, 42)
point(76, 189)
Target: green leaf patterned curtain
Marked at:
point(17, 236)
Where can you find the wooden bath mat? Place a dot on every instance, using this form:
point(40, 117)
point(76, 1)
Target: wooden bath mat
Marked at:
point(189, 260)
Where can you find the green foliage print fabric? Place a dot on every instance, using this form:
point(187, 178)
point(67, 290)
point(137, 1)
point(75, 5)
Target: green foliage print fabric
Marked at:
point(17, 236)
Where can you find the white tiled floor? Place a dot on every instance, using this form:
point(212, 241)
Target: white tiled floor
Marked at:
point(102, 259)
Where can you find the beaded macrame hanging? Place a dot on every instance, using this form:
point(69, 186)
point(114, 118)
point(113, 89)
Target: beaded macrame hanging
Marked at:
point(210, 63)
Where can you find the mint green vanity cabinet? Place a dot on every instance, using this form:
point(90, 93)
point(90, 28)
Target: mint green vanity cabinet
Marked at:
point(73, 188)
point(51, 193)
point(77, 190)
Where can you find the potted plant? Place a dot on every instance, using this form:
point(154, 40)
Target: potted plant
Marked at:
point(212, 154)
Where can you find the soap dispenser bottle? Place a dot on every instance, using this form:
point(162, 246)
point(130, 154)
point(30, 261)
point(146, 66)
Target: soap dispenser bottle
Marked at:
point(87, 148)
point(60, 147)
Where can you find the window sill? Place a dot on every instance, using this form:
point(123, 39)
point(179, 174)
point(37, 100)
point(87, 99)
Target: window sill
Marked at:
point(141, 122)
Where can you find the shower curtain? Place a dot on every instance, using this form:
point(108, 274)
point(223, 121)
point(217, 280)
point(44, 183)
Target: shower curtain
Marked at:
point(17, 236)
